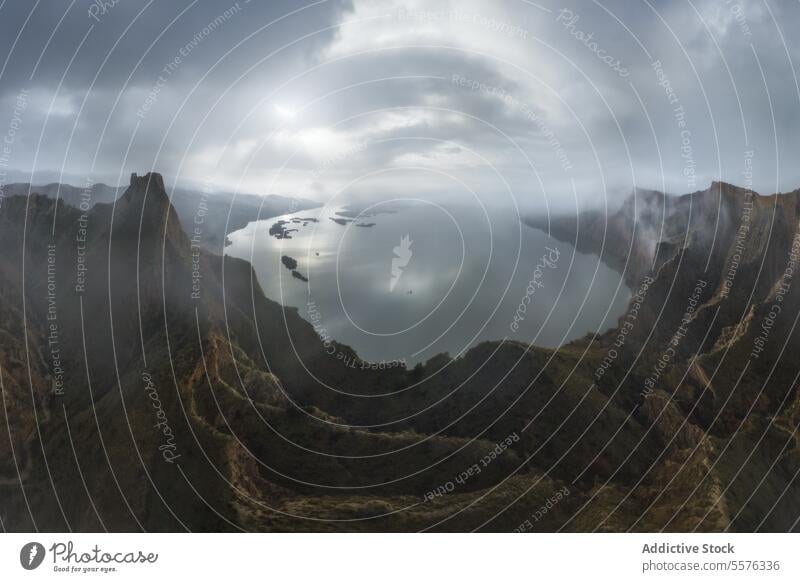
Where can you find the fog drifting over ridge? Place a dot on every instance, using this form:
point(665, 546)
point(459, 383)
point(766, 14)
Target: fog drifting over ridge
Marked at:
point(538, 104)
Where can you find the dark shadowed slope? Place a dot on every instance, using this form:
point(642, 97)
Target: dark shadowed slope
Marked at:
point(197, 403)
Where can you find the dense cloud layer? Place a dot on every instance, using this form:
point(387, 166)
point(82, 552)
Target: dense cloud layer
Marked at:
point(540, 103)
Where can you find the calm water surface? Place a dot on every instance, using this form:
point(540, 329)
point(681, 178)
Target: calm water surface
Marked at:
point(408, 280)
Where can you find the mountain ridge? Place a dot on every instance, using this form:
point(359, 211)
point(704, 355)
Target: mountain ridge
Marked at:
point(215, 413)
point(217, 213)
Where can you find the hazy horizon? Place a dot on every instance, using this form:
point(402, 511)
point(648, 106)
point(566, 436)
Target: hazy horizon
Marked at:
point(544, 103)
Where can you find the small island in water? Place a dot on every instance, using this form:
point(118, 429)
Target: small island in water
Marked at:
point(291, 264)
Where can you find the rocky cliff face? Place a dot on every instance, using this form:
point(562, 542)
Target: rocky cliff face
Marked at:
point(149, 385)
point(706, 345)
point(207, 216)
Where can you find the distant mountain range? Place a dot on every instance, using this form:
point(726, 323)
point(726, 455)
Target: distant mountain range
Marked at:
point(216, 213)
point(150, 387)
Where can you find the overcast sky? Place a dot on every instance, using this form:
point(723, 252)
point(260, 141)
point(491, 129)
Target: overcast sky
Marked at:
point(514, 100)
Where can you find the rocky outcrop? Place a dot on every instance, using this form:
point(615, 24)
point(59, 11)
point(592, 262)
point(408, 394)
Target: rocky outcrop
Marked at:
point(208, 217)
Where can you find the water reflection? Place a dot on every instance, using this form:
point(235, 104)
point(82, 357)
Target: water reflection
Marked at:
point(411, 279)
